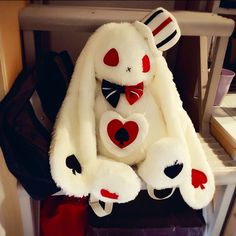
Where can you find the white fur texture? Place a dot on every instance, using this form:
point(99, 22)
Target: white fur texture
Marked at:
point(118, 178)
point(170, 138)
point(164, 153)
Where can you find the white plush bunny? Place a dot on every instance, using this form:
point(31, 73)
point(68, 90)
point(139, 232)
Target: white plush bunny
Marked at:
point(122, 120)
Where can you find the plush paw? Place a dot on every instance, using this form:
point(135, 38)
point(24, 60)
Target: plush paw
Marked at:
point(198, 187)
point(114, 181)
point(72, 177)
point(164, 166)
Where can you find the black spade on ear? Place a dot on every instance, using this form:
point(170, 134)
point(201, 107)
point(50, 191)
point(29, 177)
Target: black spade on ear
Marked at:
point(73, 163)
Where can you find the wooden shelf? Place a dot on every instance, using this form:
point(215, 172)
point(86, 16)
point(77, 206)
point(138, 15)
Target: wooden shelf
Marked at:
point(89, 18)
point(222, 165)
point(223, 124)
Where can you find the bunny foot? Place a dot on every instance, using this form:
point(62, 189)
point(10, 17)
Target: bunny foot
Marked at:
point(165, 164)
point(114, 181)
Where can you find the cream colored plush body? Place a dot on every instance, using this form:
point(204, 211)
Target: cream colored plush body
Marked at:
point(166, 135)
point(152, 114)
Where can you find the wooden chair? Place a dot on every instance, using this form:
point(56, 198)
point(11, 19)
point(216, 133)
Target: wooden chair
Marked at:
point(201, 25)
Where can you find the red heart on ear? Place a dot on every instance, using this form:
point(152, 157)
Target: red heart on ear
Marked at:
point(198, 179)
point(121, 134)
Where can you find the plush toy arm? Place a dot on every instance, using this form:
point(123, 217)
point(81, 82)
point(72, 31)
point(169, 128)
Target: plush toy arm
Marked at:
point(73, 147)
point(197, 188)
point(86, 119)
point(166, 95)
point(65, 162)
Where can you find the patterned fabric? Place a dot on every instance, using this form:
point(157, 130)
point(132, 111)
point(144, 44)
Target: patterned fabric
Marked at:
point(112, 92)
point(163, 27)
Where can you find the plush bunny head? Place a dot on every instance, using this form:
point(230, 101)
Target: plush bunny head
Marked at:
point(123, 56)
point(126, 52)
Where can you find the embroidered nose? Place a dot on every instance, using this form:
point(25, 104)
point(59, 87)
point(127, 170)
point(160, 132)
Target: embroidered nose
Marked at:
point(128, 69)
point(174, 170)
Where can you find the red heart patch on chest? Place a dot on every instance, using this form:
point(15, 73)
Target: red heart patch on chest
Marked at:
point(198, 179)
point(121, 134)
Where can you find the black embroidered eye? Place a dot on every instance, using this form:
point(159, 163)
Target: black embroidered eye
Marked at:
point(73, 163)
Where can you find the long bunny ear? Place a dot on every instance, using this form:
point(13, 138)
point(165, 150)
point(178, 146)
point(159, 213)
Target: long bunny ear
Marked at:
point(164, 28)
point(74, 142)
point(198, 185)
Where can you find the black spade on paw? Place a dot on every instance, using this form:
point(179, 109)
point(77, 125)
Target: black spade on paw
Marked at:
point(73, 163)
point(122, 136)
point(174, 170)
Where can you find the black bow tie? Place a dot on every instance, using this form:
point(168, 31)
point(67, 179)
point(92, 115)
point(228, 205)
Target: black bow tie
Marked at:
point(112, 92)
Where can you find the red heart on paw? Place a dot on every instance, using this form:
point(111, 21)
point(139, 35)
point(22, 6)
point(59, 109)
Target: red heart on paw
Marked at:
point(121, 134)
point(198, 179)
point(107, 194)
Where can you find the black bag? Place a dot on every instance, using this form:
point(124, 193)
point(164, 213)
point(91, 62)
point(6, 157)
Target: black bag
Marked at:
point(24, 137)
point(145, 216)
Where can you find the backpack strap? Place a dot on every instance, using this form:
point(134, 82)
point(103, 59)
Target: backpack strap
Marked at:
point(153, 196)
point(38, 110)
point(98, 209)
